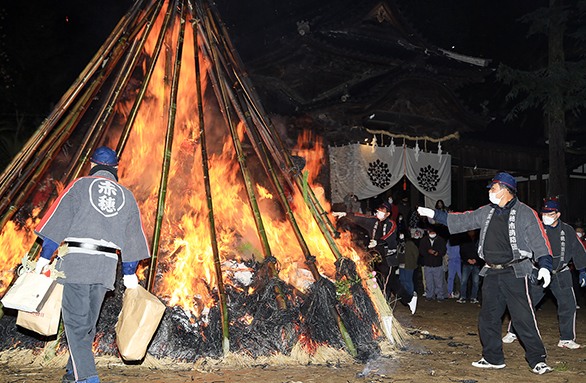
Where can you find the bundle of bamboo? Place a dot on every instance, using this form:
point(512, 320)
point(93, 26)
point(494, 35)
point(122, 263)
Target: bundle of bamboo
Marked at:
point(238, 102)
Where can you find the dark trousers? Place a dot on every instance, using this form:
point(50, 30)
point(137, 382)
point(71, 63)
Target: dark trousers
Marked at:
point(469, 271)
point(390, 282)
point(561, 287)
point(499, 291)
point(81, 308)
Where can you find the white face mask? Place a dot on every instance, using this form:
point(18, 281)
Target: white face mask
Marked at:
point(432, 236)
point(547, 220)
point(390, 200)
point(380, 215)
point(401, 236)
point(493, 199)
point(579, 234)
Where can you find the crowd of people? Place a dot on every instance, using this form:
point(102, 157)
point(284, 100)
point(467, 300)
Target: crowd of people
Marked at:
point(520, 253)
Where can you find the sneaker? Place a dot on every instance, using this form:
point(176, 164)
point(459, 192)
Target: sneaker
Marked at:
point(568, 344)
point(482, 363)
point(456, 295)
point(510, 337)
point(450, 296)
point(428, 299)
point(440, 300)
point(68, 377)
point(542, 368)
point(413, 304)
point(474, 301)
point(461, 300)
point(424, 294)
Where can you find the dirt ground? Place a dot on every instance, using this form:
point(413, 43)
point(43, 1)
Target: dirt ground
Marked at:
point(444, 342)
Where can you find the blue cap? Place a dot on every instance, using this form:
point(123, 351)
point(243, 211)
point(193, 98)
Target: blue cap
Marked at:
point(387, 206)
point(505, 179)
point(550, 205)
point(105, 156)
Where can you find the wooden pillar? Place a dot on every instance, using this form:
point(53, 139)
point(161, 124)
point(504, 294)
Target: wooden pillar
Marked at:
point(462, 203)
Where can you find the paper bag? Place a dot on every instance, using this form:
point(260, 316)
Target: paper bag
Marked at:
point(29, 292)
point(45, 322)
point(138, 320)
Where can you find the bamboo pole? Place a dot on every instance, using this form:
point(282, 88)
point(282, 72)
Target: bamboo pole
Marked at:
point(14, 168)
point(58, 138)
point(208, 191)
point(44, 160)
point(146, 81)
point(223, 86)
point(104, 116)
point(224, 97)
point(168, 148)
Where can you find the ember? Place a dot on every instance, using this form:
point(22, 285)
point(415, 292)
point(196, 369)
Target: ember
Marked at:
point(268, 251)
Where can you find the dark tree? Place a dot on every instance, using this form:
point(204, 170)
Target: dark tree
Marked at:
point(559, 87)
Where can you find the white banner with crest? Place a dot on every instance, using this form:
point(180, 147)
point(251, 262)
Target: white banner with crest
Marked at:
point(368, 171)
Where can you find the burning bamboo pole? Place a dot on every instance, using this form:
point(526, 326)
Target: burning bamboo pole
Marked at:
point(15, 167)
point(225, 106)
point(208, 191)
point(60, 135)
point(273, 141)
point(221, 83)
point(146, 80)
point(168, 148)
point(103, 117)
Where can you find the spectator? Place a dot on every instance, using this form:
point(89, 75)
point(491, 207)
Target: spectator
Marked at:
point(471, 264)
point(408, 254)
point(454, 264)
point(579, 291)
point(433, 249)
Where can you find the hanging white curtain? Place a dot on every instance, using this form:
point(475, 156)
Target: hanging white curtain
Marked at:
point(368, 171)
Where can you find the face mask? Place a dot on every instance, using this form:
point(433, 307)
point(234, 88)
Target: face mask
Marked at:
point(432, 236)
point(493, 199)
point(579, 234)
point(547, 220)
point(400, 219)
point(401, 236)
point(380, 215)
point(390, 200)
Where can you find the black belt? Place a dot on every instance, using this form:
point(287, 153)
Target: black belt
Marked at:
point(508, 264)
point(89, 246)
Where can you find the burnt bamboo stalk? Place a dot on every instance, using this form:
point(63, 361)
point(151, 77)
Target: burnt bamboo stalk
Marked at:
point(14, 168)
point(43, 161)
point(208, 190)
point(168, 149)
point(145, 82)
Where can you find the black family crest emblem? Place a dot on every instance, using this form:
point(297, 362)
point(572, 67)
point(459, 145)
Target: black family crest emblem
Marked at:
point(379, 174)
point(428, 178)
point(106, 196)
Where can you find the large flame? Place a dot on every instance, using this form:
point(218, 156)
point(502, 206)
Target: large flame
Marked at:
point(186, 274)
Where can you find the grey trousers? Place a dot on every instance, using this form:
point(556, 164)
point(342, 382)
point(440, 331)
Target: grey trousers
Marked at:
point(80, 310)
point(434, 282)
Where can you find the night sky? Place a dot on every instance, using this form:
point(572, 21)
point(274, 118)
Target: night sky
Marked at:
point(45, 45)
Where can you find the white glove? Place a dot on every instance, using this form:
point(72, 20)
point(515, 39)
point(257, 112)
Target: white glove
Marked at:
point(130, 281)
point(41, 263)
point(372, 243)
point(545, 275)
point(425, 212)
point(339, 214)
